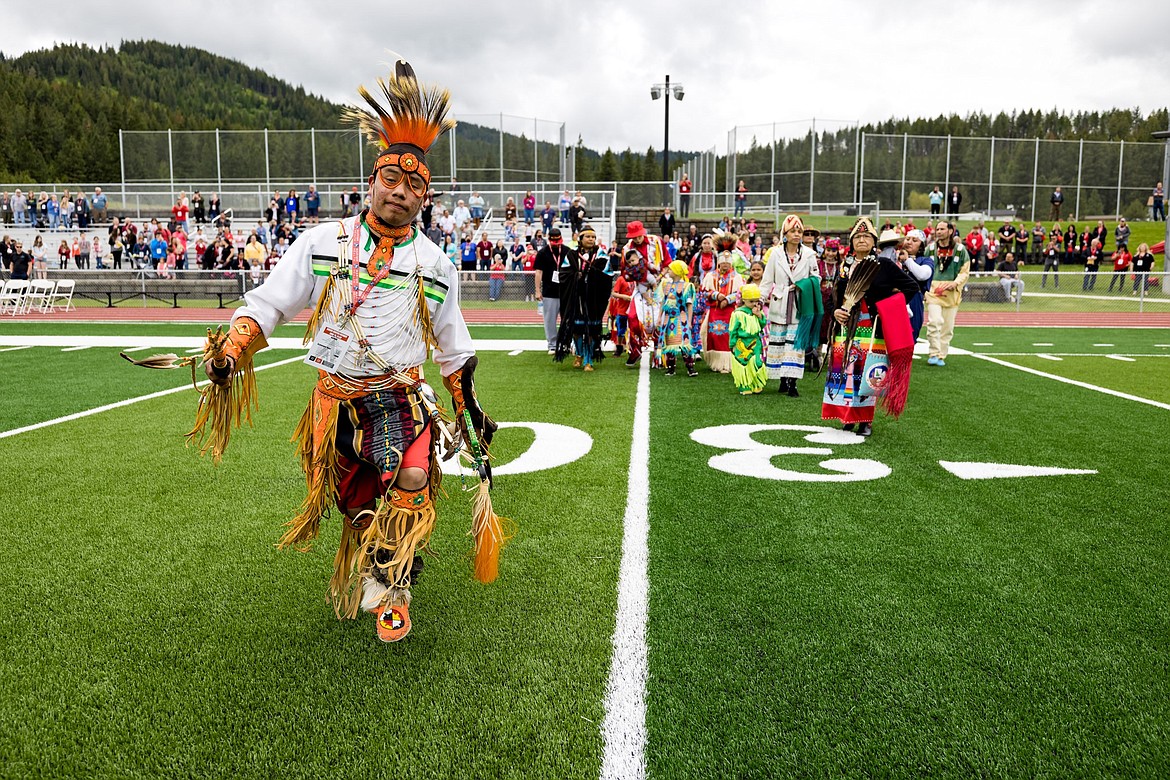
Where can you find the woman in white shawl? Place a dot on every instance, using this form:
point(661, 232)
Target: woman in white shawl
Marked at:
point(787, 265)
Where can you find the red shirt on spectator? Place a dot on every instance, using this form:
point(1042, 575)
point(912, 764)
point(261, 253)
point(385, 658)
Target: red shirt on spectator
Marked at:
point(179, 212)
point(684, 187)
point(974, 241)
point(1121, 260)
point(484, 250)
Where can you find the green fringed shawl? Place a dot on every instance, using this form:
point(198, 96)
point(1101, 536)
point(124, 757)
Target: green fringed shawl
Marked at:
point(811, 309)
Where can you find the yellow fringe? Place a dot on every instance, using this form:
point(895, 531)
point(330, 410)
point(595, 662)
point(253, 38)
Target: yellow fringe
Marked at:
point(345, 586)
point(423, 318)
point(490, 536)
point(397, 530)
point(223, 407)
point(318, 453)
point(319, 310)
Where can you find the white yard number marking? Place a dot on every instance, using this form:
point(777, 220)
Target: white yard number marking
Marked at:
point(750, 458)
point(552, 445)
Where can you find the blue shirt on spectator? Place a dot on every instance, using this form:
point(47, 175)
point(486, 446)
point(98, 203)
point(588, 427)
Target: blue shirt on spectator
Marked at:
point(158, 249)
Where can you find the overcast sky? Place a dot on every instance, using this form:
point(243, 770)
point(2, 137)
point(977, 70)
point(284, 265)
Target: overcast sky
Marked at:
point(591, 64)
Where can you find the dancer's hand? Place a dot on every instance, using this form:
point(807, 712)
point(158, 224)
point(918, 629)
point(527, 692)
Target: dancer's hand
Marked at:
point(220, 375)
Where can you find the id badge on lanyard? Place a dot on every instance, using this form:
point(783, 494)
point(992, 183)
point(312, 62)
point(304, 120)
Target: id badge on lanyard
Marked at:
point(330, 347)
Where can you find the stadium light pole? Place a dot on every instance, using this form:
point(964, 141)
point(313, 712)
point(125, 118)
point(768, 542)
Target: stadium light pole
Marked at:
point(665, 91)
point(1164, 135)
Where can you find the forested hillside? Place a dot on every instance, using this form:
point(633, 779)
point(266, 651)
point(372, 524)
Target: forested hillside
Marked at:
point(61, 109)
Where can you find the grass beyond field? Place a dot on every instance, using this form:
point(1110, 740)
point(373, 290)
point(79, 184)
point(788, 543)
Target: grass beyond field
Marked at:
point(910, 622)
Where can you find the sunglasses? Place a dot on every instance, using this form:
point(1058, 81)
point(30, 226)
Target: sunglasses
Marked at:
point(392, 176)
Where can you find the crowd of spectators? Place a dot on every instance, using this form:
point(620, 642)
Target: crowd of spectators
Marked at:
point(199, 234)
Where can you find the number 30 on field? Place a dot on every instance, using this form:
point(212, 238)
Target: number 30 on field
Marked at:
point(750, 458)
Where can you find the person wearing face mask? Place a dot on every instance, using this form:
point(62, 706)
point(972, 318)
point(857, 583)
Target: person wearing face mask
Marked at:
point(384, 299)
point(952, 266)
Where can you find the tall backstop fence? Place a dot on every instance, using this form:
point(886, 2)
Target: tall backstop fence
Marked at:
point(804, 161)
point(1020, 175)
point(497, 149)
point(831, 161)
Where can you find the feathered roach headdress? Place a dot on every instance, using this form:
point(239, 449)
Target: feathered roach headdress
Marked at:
point(412, 120)
point(724, 241)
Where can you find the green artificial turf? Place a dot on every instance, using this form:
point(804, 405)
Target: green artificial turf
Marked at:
point(151, 629)
point(16, 328)
point(1083, 356)
point(914, 625)
point(919, 624)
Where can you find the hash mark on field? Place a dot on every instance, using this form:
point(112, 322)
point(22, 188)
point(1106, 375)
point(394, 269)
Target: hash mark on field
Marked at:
point(515, 352)
point(1102, 345)
point(1122, 358)
point(1048, 357)
point(13, 349)
point(193, 351)
point(984, 344)
point(136, 349)
point(1162, 345)
point(75, 349)
point(1042, 344)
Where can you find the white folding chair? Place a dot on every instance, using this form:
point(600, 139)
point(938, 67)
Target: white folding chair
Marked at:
point(12, 296)
point(63, 295)
point(40, 292)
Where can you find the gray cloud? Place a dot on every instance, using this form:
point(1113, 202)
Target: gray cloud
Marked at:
point(591, 64)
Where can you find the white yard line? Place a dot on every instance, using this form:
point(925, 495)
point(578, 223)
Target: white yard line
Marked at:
point(1073, 382)
point(624, 728)
point(1048, 357)
point(196, 342)
point(127, 402)
point(157, 342)
point(14, 349)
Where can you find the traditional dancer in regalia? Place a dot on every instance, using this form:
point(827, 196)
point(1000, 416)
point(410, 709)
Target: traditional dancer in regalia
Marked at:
point(586, 282)
point(873, 347)
point(676, 307)
point(791, 265)
point(383, 296)
point(654, 258)
point(746, 330)
point(721, 289)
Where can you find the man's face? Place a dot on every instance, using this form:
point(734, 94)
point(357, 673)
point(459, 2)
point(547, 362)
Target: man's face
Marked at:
point(587, 240)
point(397, 205)
point(943, 231)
